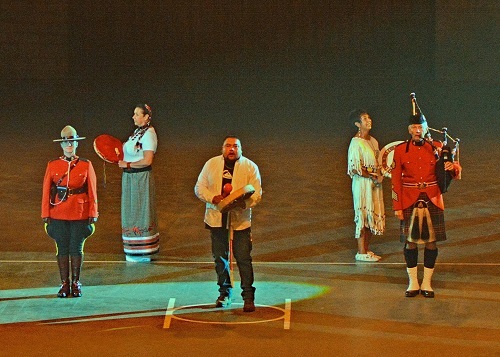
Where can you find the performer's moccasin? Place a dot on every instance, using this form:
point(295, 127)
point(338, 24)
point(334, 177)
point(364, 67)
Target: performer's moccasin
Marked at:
point(366, 258)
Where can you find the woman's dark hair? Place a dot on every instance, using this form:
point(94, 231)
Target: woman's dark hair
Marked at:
point(355, 115)
point(146, 109)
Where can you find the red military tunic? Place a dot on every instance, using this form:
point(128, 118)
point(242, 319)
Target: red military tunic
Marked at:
point(78, 206)
point(416, 167)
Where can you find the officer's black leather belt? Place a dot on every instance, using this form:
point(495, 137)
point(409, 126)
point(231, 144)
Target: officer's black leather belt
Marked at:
point(75, 191)
point(420, 185)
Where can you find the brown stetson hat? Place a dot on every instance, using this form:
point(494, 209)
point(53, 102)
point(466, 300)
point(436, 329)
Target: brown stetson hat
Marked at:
point(69, 134)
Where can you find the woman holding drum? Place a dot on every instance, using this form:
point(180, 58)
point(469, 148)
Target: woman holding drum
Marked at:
point(138, 206)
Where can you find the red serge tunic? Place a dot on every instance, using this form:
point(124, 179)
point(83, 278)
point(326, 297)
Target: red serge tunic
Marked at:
point(78, 206)
point(417, 165)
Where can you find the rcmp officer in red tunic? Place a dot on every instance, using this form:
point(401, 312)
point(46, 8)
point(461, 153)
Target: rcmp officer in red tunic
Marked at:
point(69, 208)
point(418, 201)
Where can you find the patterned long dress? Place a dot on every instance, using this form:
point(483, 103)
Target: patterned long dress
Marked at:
point(140, 235)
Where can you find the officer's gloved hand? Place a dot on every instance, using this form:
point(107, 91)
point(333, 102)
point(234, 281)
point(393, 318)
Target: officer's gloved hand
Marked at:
point(92, 220)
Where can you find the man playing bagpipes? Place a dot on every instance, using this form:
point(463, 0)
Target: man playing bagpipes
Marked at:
point(417, 197)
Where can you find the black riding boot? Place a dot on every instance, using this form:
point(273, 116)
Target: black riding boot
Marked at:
point(63, 263)
point(76, 265)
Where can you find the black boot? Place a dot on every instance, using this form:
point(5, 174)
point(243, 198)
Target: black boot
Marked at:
point(63, 263)
point(76, 265)
point(64, 290)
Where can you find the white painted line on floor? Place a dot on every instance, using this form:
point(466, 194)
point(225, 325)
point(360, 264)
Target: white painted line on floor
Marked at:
point(254, 263)
point(288, 312)
point(169, 313)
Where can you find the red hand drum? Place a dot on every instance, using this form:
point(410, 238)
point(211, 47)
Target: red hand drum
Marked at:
point(108, 148)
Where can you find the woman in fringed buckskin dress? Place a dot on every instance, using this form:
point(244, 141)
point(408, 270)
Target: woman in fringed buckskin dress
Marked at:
point(367, 191)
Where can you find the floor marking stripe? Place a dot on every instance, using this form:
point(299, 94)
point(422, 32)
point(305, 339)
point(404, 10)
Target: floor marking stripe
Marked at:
point(169, 313)
point(125, 315)
point(254, 263)
point(288, 312)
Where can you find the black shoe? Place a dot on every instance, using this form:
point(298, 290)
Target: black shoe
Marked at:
point(411, 293)
point(427, 293)
point(248, 306)
point(64, 290)
point(76, 288)
point(222, 301)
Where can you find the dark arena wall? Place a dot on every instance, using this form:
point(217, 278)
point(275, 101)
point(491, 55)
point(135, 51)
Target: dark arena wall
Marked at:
point(272, 68)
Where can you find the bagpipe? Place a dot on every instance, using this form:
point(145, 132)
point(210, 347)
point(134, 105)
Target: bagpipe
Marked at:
point(444, 154)
point(442, 151)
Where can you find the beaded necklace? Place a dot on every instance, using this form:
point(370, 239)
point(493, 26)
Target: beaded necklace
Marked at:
point(140, 131)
